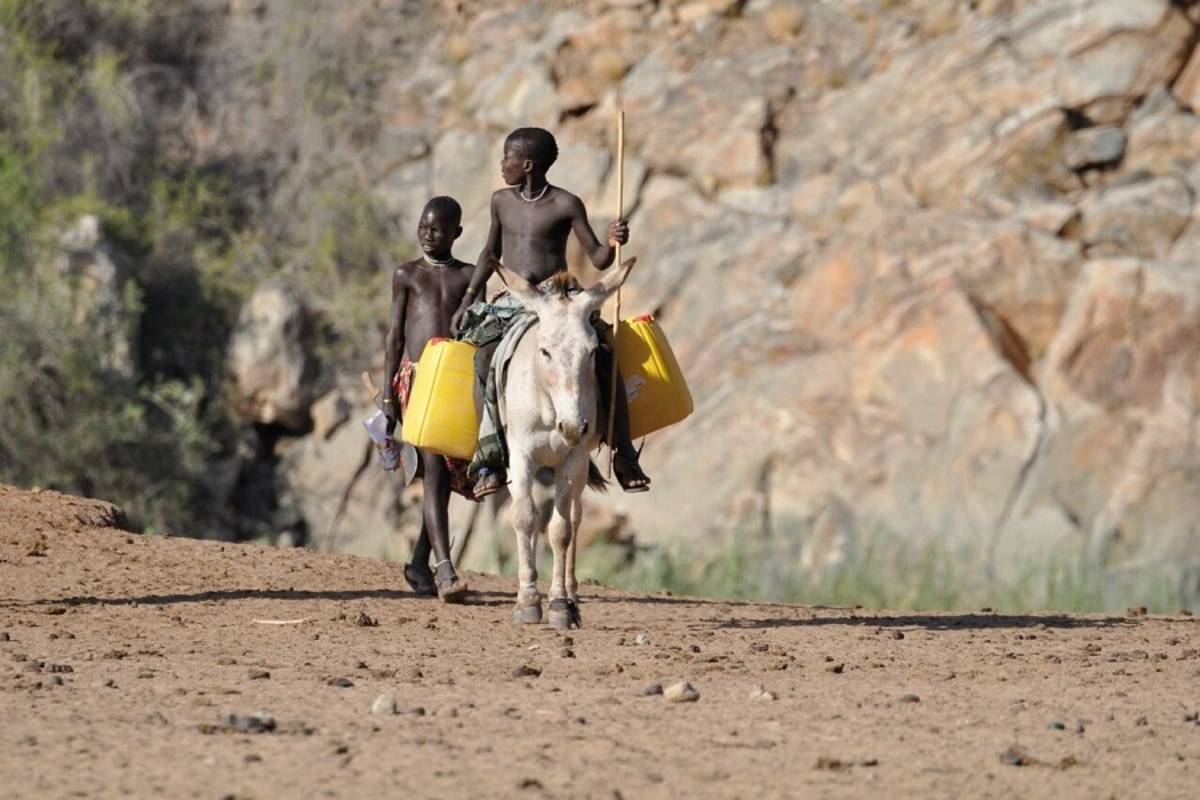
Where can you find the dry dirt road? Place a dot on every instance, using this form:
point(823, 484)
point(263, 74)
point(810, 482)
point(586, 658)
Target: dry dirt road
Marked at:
point(131, 665)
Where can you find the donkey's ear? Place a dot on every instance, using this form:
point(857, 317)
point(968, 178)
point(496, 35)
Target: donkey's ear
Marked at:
point(517, 286)
point(603, 289)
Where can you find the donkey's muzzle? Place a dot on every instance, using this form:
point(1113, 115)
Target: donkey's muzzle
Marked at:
point(573, 433)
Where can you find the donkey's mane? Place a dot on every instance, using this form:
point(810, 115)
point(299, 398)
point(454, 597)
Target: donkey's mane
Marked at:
point(561, 283)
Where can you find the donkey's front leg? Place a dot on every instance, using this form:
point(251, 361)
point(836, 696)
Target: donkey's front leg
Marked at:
point(563, 524)
point(576, 518)
point(525, 522)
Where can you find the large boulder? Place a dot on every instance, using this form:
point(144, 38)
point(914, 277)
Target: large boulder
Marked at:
point(1119, 456)
point(268, 364)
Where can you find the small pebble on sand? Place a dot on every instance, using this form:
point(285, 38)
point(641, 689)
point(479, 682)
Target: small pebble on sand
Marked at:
point(763, 694)
point(682, 692)
point(384, 704)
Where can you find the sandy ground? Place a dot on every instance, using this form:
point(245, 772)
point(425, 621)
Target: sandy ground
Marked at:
point(123, 658)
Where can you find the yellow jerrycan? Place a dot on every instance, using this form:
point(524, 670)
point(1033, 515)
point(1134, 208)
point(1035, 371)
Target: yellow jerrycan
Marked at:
point(658, 394)
point(441, 415)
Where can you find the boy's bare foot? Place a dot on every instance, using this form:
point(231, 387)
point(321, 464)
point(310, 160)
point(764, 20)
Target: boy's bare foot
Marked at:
point(450, 587)
point(630, 475)
point(488, 482)
point(419, 578)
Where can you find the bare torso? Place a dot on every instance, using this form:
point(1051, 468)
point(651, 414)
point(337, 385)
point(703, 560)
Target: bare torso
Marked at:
point(433, 294)
point(533, 234)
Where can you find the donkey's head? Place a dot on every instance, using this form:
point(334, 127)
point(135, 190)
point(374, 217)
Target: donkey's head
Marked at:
point(565, 358)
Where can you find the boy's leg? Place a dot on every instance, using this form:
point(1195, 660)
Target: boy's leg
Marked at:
point(625, 465)
point(437, 522)
point(417, 573)
point(491, 478)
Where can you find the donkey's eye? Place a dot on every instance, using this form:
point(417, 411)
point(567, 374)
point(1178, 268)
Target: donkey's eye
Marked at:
point(545, 353)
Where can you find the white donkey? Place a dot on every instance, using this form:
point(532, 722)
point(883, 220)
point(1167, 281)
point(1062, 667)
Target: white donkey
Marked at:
point(552, 407)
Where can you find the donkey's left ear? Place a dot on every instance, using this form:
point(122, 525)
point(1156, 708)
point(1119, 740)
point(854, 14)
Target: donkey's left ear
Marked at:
point(603, 289)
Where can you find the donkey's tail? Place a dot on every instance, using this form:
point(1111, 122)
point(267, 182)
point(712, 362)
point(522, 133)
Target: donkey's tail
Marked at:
point(595, 479)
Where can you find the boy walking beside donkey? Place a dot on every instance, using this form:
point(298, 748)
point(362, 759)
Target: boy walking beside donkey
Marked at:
point(425, 293)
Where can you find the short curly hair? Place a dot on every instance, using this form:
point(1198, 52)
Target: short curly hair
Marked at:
point(447, 207)
point(536, 144)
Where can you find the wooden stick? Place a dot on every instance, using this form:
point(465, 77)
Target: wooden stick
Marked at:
point(612, 394)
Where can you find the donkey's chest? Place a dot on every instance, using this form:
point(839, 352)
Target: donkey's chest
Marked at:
point(550, 450)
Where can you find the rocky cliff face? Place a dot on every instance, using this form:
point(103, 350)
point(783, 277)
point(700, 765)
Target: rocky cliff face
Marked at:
point(931, 267)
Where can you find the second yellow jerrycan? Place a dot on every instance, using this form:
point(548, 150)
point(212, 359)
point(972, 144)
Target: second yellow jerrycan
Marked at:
point(441, 416)
point(658, 394)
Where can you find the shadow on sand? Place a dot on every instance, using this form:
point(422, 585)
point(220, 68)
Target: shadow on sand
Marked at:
point(800, 616)
point(474, 598)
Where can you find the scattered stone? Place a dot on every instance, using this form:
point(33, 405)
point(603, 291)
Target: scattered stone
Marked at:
point(840, 765)
point(1141, 721)
point(59, 668)
point(341, 683)
point(365, 621)
point(897, 635)
point(1016, 756)
point(682, 692)
point(836, 669)
point(526, 671)
point(652, 689)
point(1138, 611)
point(759, 692)
point(109, 684)
point(568, 641)
point(57, 680)
point(4, 637)
point(260, 722)
point(385, 704)
point(418, 711)
point(1057, 726)
point(641, 639)
point(567, 652)
point(252, 758)
point(1186, 612)
point(910, 698)
point(1192, 717)
point(259, 674)
point(1080, 727)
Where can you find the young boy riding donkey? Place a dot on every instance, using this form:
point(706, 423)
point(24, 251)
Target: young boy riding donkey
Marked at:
point(425, 293)
point(544, 362)
point(531, 221)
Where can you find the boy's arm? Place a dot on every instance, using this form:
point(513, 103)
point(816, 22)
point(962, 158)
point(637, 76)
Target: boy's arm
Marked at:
point(483, 269)
point(393, 348)
point(601, 255)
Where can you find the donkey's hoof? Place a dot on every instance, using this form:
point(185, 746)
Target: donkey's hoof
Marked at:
point(527, 614)
point(564, 614)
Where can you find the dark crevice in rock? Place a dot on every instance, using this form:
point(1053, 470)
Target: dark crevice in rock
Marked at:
point(344, 502)
point(1018, 487)
point(1076, 119)
point(768, 136)
point(575, 112)
point(1006, 340)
